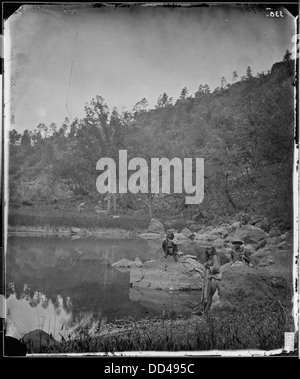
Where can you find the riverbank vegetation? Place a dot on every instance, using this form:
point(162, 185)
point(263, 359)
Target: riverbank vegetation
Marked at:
point(244, 130)
point(251, 326)
point(46, 216)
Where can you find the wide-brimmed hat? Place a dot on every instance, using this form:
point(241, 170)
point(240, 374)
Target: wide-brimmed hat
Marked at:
point(237, 242)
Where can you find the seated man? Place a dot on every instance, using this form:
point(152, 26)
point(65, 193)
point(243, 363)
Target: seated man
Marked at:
point(169, 247)
point(238, 253)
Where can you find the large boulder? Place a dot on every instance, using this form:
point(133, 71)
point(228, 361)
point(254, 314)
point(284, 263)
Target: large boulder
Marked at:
point(38, 339)
point(205, 238)
point(181, 238)
point(170, 224)
point(254, 219)
point(219, 242)
point(195, 227)
point(285, 236)
point(250, 234)
point(272, 241)
point(279, 262)
point(261, 244)
point(156, 227)
point(186, 232)
point(263, 224)
point(185, 274)
point(274, 232)
point(222, 231)
point(241, 283)
point(271, 273)
point(249, 249)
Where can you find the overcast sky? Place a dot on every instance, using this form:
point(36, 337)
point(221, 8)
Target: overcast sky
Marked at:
point(127, 54)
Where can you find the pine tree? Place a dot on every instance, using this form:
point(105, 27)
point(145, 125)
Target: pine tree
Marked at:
point(234, 76)
point(141, 106)
point(287, 56)
point(249, 73)
point(206, 89)
point(26, 139)
point(183, 93)
point(163, 101)
point(223, 82)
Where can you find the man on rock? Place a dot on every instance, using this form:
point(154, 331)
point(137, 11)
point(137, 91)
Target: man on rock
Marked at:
point(169, 247)
point(212, 278)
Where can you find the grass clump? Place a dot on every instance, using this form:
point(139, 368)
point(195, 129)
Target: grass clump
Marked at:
point(253, 326)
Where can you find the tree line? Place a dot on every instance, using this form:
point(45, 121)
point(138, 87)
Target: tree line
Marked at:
point(243, 130)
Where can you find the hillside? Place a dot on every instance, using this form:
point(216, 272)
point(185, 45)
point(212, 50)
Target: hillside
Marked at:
point(244, 132)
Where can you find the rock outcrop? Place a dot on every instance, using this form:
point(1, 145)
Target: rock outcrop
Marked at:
point(127, 263)
point(156, 227)
point(38, 339)
point(186, 232)
point(185, 274)
point(270, 270)
point(181, 302)
point(270, 274)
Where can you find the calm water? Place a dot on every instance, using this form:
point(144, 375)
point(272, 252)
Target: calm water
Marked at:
point(56, 284)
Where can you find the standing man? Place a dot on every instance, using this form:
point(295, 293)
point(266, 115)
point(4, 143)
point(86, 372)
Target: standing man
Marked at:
point(212, 277)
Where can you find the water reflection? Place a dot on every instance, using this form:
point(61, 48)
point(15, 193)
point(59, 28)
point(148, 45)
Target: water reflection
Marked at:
point(23, 316)
point(56, 284)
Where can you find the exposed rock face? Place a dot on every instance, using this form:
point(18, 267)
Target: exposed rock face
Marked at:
point(156, 227)
point(250, 234)
point(185, 274)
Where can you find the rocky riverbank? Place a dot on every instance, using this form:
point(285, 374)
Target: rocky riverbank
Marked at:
point(270, 272)
point(72, 232)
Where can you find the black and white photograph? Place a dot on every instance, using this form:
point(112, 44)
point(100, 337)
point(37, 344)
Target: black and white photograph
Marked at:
point(150, 181)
